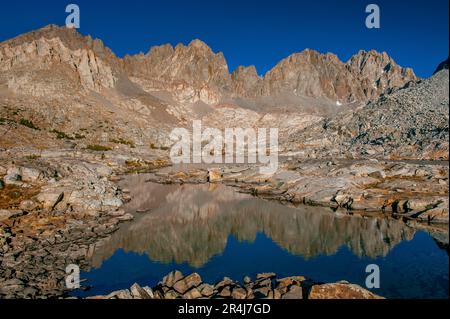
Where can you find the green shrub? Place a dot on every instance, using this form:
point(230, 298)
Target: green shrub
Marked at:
point(79, 136)
point(33, 156)
point(154, 147)
point(28, 124)
point(61, 135)
point(122, 141)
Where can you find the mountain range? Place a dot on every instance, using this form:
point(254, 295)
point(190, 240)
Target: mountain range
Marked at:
point(57, 80)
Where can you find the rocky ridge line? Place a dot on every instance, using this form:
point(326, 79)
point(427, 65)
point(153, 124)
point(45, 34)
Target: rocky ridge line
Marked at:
point(194, 72)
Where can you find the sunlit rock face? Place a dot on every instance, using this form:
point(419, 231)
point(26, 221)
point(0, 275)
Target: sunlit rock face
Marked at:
point(192, 224)
point(378, 73)
point(56, 61)
point(194, 72)
point(191, 73)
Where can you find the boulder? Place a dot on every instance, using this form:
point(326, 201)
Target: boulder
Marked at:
point(170, 279)
point(341, 290)
point(139, 293)
point(214, 175)
point(206, 290)
point(194, 293)
point(30, 174)
point(28, 205)
point(183, 285)
point(239, 293)
point(13, 179)
point(294, 292)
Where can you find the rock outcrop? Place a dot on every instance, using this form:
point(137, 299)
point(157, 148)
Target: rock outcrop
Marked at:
point(193, 73)
point(55, 61)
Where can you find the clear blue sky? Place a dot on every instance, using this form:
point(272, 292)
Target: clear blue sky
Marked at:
point(260, 32)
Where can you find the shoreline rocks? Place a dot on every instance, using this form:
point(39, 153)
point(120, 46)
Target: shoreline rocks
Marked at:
point(265, 286)
point(406, 189)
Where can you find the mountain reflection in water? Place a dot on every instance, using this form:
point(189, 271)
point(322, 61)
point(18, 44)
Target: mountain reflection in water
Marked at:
point(192, 223)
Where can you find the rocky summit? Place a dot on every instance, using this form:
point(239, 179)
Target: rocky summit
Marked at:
point(365, 137)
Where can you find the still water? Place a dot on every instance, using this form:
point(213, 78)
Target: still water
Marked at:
point(217, 232)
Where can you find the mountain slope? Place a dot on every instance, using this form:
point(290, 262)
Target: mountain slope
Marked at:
point(411, 123)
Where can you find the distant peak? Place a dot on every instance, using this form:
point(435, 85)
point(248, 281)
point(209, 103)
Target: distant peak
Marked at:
point(52, 27)
point(199, 44)
point(49, 31)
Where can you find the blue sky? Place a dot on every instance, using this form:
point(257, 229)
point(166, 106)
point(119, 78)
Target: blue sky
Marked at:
point(415, 33)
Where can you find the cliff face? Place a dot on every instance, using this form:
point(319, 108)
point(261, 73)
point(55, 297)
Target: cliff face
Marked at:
point(55, 61)
point(192, 72)
point(377, 73)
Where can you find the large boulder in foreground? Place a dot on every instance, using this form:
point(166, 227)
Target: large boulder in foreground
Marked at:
point(341, 290)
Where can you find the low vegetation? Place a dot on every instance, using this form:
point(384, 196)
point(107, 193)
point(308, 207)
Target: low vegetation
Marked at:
point(155, 147)
point(63, 135)
point(98, 148)
point(123, 142)
point(28, 124)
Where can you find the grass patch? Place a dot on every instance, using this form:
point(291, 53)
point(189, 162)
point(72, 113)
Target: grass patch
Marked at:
point(123, 142)
point(154, 147)
point(12, 195)
point(79, 136)
point(28, 124)
point(144, 166)
point(33, 156)
point(61, 135)
point(5, 121)
point(134, 163)
point(98, 148)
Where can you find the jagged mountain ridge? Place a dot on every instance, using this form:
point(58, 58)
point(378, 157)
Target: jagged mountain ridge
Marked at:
point(66, 82)
point(195, 73)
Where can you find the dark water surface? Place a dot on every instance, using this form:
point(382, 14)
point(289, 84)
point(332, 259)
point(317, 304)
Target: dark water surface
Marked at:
point(217, 232)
